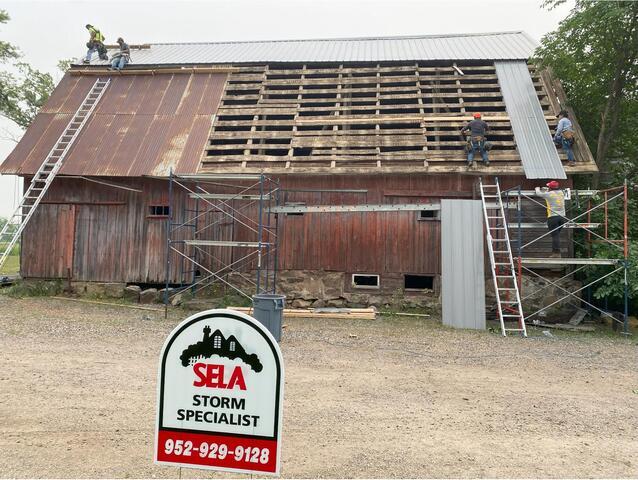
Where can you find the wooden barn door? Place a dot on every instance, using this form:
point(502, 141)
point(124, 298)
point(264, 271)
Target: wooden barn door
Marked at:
point(47, 242)
point(98, 255)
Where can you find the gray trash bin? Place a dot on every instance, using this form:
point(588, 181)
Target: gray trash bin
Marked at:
point(269, 310)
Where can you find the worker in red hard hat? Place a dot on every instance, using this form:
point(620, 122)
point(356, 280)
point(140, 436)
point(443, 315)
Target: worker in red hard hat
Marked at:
point(476, 131)
point(555, 201)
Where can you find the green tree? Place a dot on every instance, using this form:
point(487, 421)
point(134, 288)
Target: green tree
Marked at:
point(23, 89)
point(594, 52)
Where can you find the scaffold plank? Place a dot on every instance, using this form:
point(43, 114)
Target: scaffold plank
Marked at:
point(570, 261)
point(223, 243)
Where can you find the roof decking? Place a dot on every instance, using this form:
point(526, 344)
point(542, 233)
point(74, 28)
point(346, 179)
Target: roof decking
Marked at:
point(375, 114)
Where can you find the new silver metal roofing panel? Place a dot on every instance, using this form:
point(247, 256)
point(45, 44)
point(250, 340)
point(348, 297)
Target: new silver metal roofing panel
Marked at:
point(533, 138)
point(482, 46)
point(462, 276)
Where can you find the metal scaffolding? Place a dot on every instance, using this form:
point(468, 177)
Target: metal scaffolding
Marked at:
point(594, 202)
point(221, 229)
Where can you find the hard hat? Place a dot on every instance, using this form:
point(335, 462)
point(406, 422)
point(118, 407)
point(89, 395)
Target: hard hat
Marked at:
point(477, 115)
point(553, 184)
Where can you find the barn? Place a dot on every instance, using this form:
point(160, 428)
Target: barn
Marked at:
point(340, 151)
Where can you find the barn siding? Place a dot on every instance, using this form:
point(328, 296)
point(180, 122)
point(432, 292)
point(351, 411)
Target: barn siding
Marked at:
point(105, 234)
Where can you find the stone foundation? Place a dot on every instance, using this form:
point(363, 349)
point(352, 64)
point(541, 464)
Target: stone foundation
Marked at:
point(318, 289)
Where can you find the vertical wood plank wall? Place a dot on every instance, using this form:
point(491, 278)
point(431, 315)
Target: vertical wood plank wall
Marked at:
point(104, 234)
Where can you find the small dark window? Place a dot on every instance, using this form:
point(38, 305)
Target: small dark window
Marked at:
point(365, 281)
point(159, 210)
point(294, 214)
point(428, 215)
point(418, 282)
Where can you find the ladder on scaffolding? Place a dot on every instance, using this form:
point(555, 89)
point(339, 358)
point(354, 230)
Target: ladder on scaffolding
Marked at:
point(508, 299)
point(42, 179)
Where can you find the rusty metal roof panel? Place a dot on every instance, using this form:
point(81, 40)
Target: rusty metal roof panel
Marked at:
point(144, 125)
point(481, 46)
point(533, 138)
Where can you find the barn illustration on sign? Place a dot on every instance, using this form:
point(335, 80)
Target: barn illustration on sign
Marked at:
point(217, 344)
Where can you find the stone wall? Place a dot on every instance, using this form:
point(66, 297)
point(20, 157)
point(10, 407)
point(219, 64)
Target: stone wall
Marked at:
point(316, 289)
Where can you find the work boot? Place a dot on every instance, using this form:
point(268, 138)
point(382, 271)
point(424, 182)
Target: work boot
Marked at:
point(571, 164)
point(469, 164)
point(486, 162)
point(555, 255)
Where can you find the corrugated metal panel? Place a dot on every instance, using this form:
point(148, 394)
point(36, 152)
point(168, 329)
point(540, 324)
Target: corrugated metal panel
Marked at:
point(486, 46)
point(533, 138)
point(462, 276)
point(143, 125)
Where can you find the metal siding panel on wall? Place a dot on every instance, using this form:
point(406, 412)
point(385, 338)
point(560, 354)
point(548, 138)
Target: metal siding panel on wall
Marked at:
point(538, 153)
point(462, 279)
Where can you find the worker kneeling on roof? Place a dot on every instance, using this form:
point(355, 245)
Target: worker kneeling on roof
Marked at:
point(555, 201)
point(121, 57)
point(476, 139)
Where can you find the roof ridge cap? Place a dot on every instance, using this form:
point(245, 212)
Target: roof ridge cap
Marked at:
point(352, 39)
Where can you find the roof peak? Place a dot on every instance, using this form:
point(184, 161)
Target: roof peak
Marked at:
point(351, 39)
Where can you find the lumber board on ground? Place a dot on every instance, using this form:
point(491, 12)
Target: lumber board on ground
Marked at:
point(343, 314)
point(566, 326)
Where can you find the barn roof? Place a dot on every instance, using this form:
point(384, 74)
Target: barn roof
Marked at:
point(480, 46)
point(143, 125)
point(265, 112)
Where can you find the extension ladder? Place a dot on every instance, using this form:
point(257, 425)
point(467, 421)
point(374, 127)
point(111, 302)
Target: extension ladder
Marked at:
point(508, 299)
point(42, 179)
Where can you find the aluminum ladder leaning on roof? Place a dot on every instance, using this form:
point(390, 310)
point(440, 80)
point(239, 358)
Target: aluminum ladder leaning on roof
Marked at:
point(42, 179)
point(508, 299)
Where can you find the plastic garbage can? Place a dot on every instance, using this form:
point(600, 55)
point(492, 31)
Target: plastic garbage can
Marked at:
point(268, 309)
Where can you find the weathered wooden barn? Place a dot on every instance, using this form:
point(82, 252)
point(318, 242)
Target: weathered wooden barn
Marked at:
point(336, 122)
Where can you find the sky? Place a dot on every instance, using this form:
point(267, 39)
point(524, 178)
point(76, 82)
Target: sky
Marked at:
point(48, 31)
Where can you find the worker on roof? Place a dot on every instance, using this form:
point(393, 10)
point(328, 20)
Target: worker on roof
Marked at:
point(476, 139)
point(564, 136)
point(95, 44)
point(121, 57)
point(555, 201)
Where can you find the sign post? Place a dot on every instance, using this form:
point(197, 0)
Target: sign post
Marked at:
point(220, 395)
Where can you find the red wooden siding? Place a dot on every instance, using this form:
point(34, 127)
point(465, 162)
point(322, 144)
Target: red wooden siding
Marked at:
point(106, 234)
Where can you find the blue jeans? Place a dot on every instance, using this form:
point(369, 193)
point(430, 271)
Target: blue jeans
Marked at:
point(119, 63)
point(480, 146)
point(89, 54)
point(566, 145)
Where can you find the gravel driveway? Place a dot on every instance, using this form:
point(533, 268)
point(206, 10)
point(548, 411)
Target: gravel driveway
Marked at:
point(383, 398)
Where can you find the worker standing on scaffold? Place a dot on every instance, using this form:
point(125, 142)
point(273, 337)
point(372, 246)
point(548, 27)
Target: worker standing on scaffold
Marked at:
point(555, 201)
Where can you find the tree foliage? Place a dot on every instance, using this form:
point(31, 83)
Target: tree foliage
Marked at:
point(594, 52)
point(23, 89)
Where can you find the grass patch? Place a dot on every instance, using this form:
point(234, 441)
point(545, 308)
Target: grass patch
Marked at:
point(22, 289)
point(12, 264)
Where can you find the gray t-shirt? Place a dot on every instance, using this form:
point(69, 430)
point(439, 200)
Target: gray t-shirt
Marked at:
point(477, 128)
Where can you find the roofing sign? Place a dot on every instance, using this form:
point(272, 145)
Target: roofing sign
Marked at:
point(220, 395)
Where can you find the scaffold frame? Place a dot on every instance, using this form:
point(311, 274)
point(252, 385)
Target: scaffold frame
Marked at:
point(619, 265)
point(245, 201)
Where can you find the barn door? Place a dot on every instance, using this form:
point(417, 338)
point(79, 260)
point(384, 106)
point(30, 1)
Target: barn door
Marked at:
point(47, 242)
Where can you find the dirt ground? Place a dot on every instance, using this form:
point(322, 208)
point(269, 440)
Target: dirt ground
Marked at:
point(405, 398)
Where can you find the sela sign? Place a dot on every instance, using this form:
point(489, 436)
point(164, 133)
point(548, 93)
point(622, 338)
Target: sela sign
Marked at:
point(220, 395)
